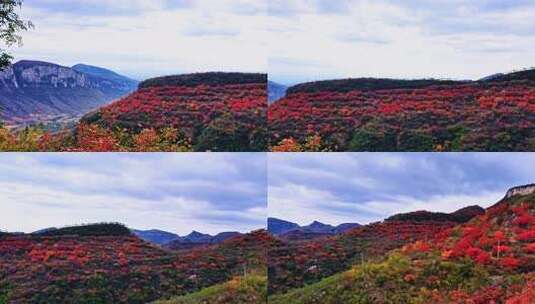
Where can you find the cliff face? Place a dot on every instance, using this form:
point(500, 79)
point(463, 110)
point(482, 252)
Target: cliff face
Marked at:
point(24, 74)
point(34, 89)
point(521, 190)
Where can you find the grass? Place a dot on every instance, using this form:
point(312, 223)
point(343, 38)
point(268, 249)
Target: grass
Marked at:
point(240, 290)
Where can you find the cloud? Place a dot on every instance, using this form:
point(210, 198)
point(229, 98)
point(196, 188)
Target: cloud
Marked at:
point(367, 187)
point(174, 192)
point(459, 39)
point(144, 39)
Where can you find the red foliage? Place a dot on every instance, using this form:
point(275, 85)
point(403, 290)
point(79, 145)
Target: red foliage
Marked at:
point(486, 109)
point(185, 108)
point(509, 262)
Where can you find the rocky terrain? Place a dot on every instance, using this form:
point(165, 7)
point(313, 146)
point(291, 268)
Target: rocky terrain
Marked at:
point(38, 92)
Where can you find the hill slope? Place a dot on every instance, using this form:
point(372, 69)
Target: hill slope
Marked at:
point(34, 91)
point(490, 259)
point(409, 115)
point(85, 266)
point(295, 262)
point(215, 111)
point(240, 290)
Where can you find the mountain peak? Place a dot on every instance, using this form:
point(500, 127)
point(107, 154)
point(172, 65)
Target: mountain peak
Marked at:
point(316, 224)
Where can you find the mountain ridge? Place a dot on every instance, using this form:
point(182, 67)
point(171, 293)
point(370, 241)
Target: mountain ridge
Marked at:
point(37, 91)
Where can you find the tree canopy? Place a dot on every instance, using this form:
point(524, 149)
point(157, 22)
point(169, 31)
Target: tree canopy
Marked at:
point(10, 26)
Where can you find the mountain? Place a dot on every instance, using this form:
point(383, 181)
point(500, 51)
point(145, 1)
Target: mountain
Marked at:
point(292, 231)
point(492, 77)
point(106, 74)
point(278, 226)
point(213, 111)
point(384, 115)
point(460, 216)
point(106, 263)
point(35, 91)
point(276, 91)
point(196, 239)
point(489, 259)
point(174, 241)
point(526, 74)
point(156, 236)
point(45, 230)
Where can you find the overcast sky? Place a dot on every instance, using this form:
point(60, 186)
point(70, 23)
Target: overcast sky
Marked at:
point(177, 192)
point(459, 39)
point(142, 38)
point(293, 40)
point(365, 187)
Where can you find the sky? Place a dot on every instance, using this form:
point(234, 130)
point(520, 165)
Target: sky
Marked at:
point(175, 192)
point(293, 40)
point(457, 39)
point(337, 188)
point(143, 39)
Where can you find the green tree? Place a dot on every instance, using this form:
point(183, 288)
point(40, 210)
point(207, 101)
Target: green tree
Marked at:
point(415, 141)
point(10, 25)
point(372, 140)
point(223, 134)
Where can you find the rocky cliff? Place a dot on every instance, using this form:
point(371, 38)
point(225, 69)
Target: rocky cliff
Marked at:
point(34, 90)
point(520, 190)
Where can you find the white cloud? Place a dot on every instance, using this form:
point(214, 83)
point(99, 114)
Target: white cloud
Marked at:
point(173, 192)
point(366, 187)
point(149, 39)
point(407, 39)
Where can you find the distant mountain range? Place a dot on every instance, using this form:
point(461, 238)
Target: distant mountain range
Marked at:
point(36, 91)
point(292, 231)
point(174, 241)
point(289, 230)
point(163, 238)
point(275, 91)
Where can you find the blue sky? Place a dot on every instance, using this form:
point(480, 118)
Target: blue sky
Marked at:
point(366, 187)
point(143, 39)
point(174, 192)
point(459, 39)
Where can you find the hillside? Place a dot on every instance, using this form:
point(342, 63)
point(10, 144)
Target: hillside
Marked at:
point(408, 115)
point(297, 262)
point(460, 216)
point(239, 290)
point(211, 111)
point(92, 267)
point(42, 92)
point(490, 259)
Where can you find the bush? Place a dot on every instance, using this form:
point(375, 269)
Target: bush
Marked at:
point(415, 141)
